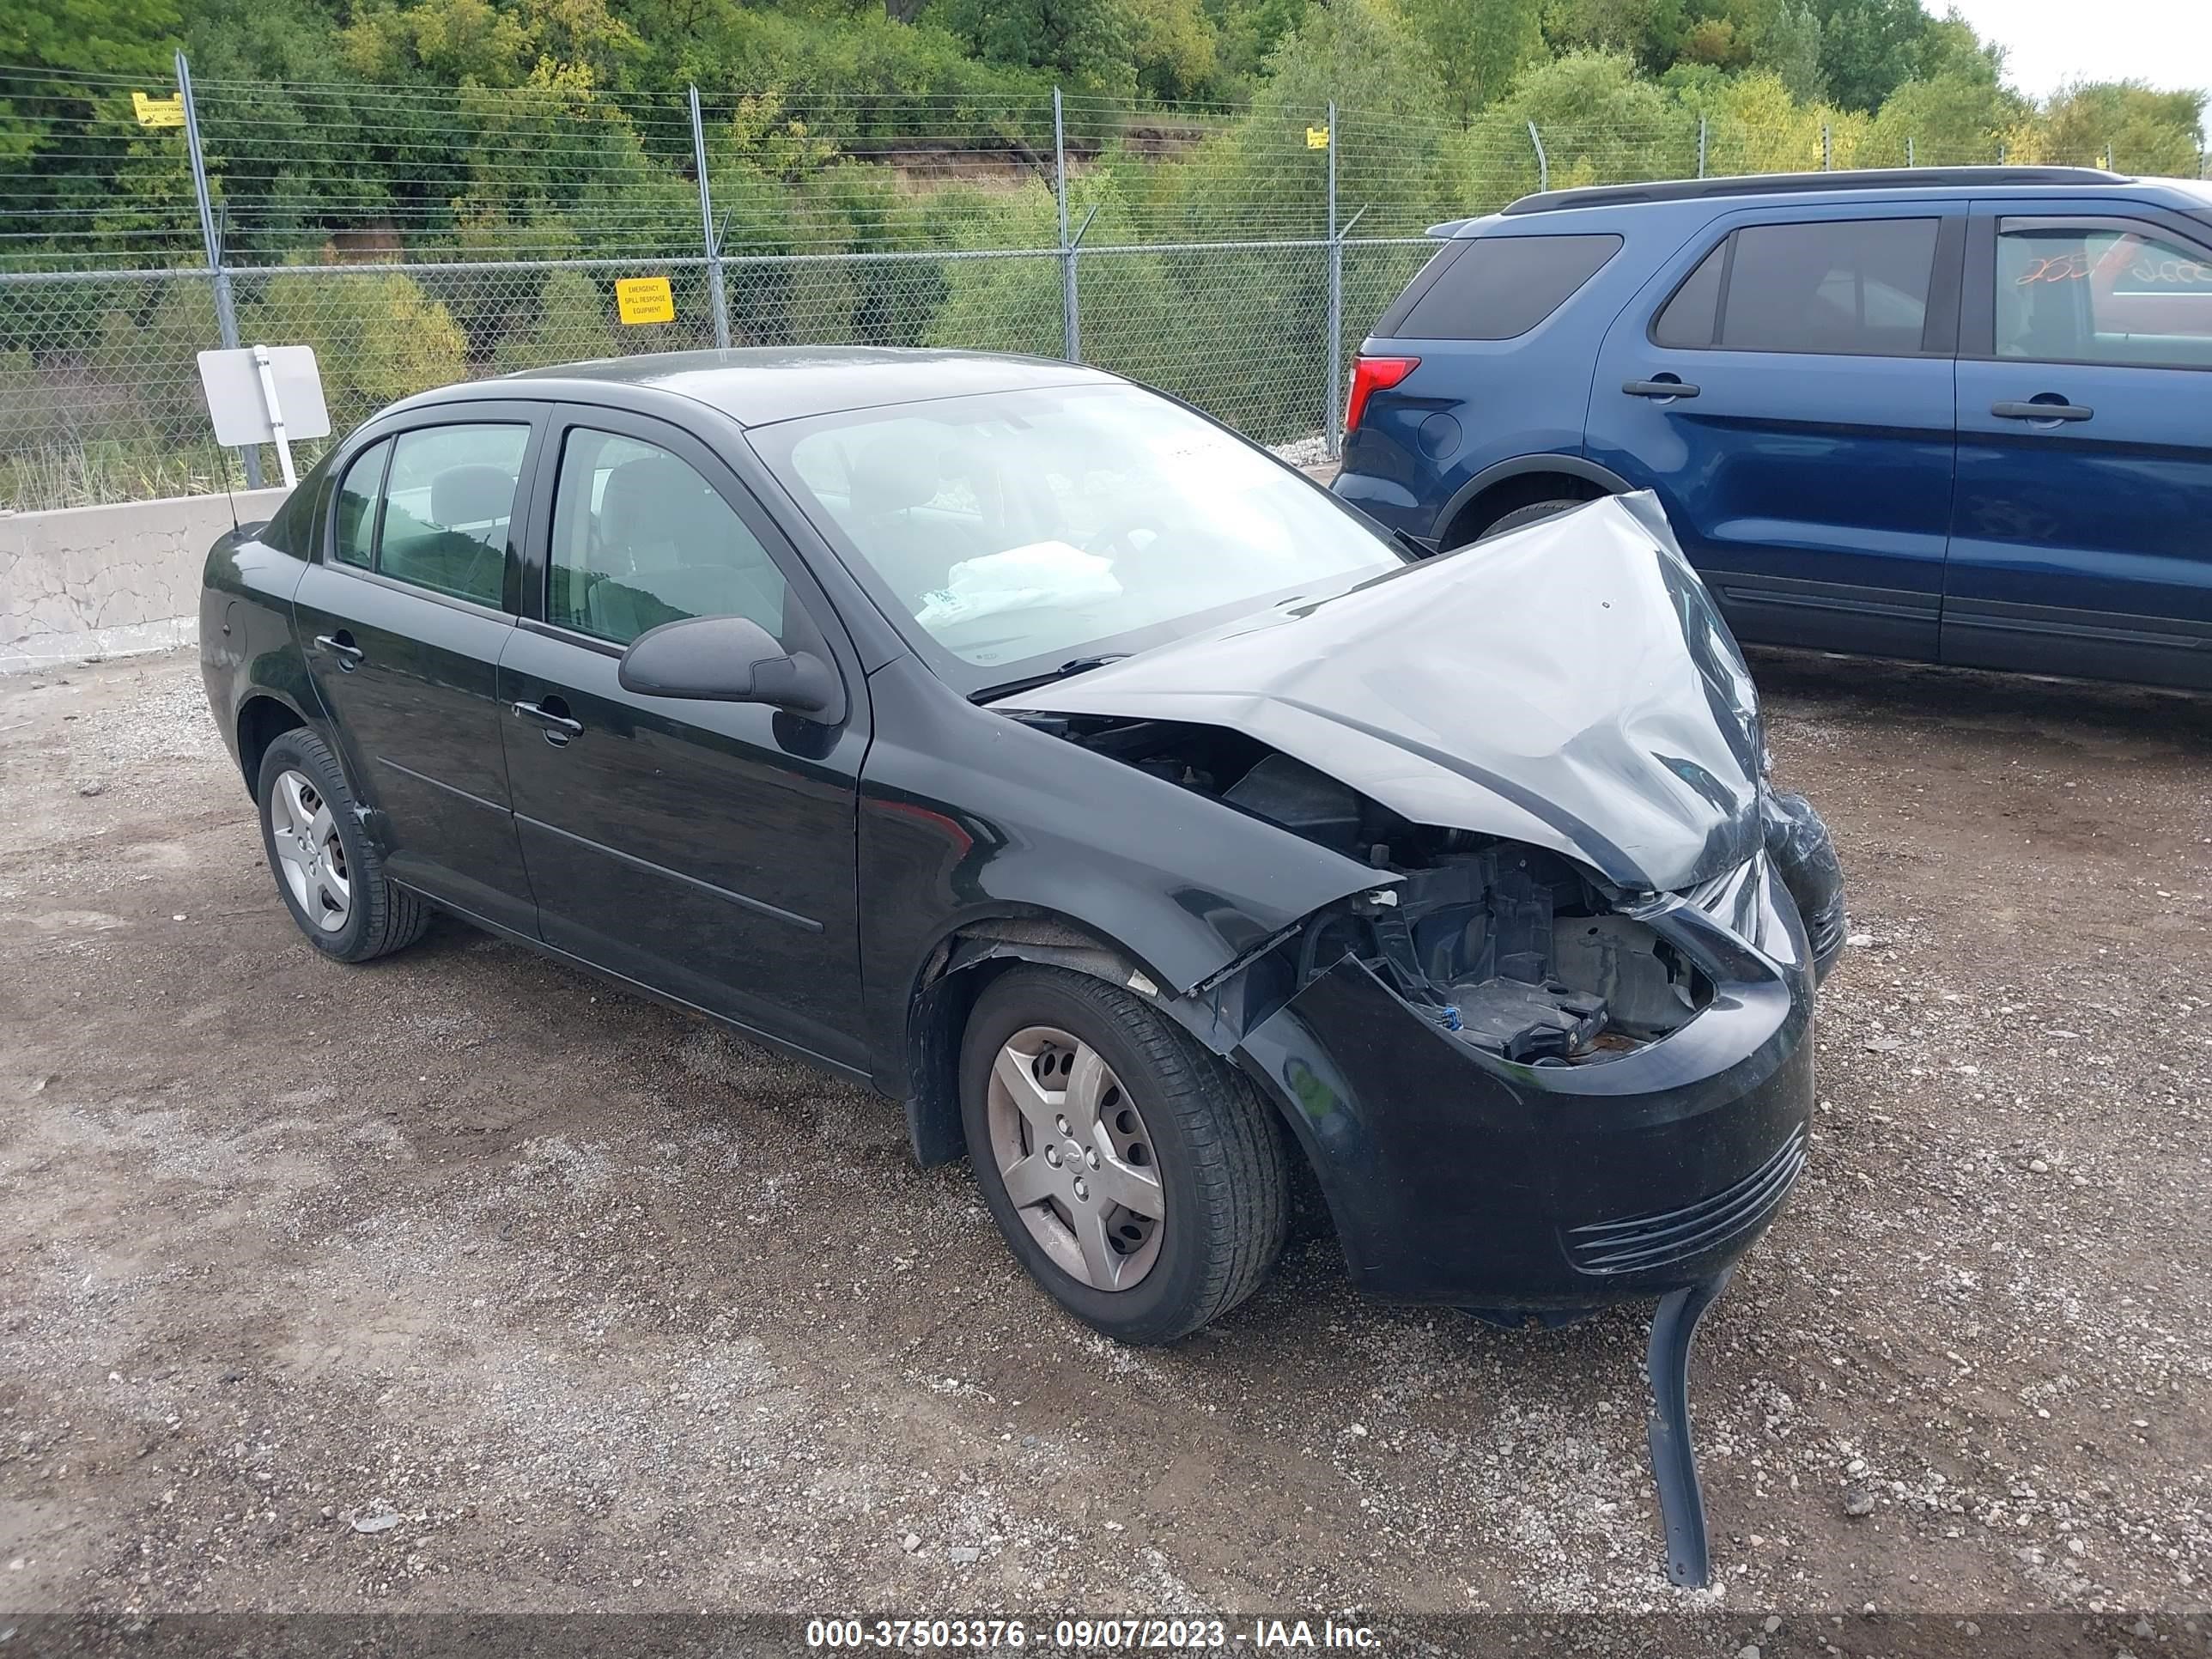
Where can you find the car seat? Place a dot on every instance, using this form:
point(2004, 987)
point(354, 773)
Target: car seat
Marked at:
point(469, 562)
point(671, 548)
point(914, 552)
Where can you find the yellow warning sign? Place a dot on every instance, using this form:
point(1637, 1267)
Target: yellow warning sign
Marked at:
point(1316, 137)
point(158, 111)
point(645, 300)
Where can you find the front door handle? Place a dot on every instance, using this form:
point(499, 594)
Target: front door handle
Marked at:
point(2031, 410)
point(1665, 386)
point(559, 728)
point(341, 646)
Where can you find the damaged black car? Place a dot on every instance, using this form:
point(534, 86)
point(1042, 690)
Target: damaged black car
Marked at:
point(1027, 746)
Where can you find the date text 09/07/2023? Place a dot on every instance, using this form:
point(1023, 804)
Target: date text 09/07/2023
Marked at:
point(1087, 1635)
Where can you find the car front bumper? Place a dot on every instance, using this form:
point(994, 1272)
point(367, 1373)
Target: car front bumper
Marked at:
point(1455, 1177)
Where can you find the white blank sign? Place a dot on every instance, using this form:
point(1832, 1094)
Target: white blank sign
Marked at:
point(232, 381)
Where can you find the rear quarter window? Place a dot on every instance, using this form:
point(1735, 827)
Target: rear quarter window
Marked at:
point(1495, 288)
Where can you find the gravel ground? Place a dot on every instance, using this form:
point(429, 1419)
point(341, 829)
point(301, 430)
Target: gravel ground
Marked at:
point(464, 1282)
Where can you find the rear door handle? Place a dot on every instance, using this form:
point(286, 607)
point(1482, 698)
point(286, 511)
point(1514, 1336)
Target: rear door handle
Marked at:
point(2010, 411)
point(551, 721)
point(343, 648)
point(1662, 387)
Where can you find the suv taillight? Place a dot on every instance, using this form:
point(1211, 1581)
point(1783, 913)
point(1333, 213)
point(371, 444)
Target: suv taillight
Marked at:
point(1369, 376)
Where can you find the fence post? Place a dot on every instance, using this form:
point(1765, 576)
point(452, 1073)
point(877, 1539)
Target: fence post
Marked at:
point(1543, 166)
point(2108, 158)
point(1827, 156)
point(1334, 415)
point(1908, 150)
point(226, 310)
point(1701, 147)
point(1071, 322)
point(715, 297)
point(2000, 159)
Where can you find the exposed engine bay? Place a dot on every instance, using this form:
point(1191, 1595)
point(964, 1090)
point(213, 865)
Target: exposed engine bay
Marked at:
point(1511, 947)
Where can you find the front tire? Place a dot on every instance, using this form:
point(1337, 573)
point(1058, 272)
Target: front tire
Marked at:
point(1142, 1181)
point(330, 877)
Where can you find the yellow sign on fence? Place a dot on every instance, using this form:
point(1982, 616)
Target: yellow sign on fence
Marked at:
point(645, 300)
point(158, 111)
point(1316, 137)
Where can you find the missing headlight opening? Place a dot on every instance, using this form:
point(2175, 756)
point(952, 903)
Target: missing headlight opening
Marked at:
point(1512, 948)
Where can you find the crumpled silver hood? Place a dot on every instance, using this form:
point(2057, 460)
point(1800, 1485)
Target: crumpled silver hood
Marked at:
point(1571, 686)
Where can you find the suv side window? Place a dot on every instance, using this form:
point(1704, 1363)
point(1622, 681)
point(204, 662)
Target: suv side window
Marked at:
point(2101, 292)
point(1497, 288)
point(640, 539)
point(1847, 288)
point(448, 499)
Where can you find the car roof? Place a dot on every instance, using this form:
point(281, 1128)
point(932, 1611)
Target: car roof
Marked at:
point(1813, 188)
point(756, 385)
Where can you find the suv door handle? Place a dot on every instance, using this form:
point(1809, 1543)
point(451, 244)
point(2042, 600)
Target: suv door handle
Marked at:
point(341, 646)
point(559, 728)
point(1664, 386)
point(2010, 411)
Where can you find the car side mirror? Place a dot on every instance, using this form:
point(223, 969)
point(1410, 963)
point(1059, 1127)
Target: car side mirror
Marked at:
point(730, 659)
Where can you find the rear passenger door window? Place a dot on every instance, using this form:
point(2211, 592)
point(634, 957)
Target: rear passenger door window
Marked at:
point(1855, 288)
point(640, 539)
point(449, 500)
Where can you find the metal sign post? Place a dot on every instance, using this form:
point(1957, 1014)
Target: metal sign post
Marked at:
point(275, 408)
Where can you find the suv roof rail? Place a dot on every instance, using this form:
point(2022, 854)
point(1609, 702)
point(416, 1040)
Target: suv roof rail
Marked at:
point(1782, 184)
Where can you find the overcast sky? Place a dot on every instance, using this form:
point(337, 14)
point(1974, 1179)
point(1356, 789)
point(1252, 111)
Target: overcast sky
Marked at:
point(2167, 43)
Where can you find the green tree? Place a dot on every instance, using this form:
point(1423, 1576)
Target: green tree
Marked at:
point(377, 337)
point(2148, 132)
point(1477, 46)
point(1953, 119)
point(1868, 48)
point(1650, 33)
point(1088, 41)
point(1791, 49)
point(572, 321)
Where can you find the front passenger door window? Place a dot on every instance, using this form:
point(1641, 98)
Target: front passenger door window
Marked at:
point(2110, 292)
point(640, 539)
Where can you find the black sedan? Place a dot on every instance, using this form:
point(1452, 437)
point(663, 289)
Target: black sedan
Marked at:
point(1025, 744)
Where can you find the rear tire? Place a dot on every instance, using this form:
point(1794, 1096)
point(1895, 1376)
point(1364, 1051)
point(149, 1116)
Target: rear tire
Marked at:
point(329, 875)
point(1160, 1103)
point(1527, 515)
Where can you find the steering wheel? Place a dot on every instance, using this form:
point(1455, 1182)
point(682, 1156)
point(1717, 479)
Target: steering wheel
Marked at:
point(1116, 534)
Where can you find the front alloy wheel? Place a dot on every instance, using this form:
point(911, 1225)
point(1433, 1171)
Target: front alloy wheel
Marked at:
point(1140, 1179)
point(1076, 1158)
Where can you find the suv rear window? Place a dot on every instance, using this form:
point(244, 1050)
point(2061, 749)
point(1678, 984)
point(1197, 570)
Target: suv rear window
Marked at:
point(1494, 287)
point(1851, 288)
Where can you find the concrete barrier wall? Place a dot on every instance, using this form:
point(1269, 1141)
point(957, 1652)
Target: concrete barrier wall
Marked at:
point(106, 581)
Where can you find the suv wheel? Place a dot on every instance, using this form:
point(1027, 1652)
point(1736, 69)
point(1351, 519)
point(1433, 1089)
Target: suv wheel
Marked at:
point(1142, 1181)
point(1529, 514)
point(329, 875)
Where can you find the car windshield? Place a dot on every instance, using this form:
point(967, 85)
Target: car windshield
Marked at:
point(1013, 533)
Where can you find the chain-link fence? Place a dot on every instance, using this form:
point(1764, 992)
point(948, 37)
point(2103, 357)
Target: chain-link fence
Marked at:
point(416, 237)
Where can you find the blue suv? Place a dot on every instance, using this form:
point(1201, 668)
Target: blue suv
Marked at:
point(1963, 414)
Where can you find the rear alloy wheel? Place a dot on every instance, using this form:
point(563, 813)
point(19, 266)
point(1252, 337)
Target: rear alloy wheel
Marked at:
point(310, 856)
point(1140, 1179)
point(328, 872)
